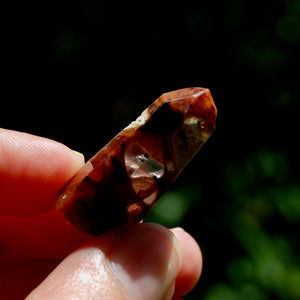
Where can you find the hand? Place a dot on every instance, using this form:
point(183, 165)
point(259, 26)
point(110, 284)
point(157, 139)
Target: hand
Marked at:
point(143, 261)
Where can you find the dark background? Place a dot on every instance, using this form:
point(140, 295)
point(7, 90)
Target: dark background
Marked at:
point(79, 71)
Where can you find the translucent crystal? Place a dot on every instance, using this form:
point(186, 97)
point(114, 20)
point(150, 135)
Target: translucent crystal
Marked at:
point(121, 182)
point(139, 163)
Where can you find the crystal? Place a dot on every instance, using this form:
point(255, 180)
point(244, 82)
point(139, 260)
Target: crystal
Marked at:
point(126, 177)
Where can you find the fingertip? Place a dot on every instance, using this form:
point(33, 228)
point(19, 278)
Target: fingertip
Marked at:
point(78, 159)
point(192, 263)
point(147, 260)
point(32, 171)
point(140, 261)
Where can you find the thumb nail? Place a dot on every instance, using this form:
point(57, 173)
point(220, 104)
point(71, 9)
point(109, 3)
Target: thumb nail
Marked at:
point(146, 261)
point(78, 156)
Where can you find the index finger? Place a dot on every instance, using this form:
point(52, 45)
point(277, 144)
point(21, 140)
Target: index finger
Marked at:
point(32, 171)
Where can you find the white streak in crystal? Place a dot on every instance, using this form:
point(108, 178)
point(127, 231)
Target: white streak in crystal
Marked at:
point(200, 93)
point(196, 95)
point(140, 121)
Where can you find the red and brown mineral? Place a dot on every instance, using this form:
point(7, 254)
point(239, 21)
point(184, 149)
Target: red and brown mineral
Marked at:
point(127, 176)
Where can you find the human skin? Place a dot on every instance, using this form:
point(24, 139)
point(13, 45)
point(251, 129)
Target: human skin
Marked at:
point(43, 255)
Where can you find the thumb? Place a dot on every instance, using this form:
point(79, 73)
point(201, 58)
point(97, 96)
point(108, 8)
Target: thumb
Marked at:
point(138, 262)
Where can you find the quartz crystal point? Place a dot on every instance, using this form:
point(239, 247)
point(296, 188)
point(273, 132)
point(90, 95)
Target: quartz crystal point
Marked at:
point(126, 177)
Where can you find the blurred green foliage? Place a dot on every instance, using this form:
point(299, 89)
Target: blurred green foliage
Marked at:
point(263, 208)
point(84, 69)
point(265, 203)
point(173, 206)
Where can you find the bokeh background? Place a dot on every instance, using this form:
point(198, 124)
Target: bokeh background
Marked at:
point(79, 71)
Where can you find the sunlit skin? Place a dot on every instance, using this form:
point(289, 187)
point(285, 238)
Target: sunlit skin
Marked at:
point(34, 238)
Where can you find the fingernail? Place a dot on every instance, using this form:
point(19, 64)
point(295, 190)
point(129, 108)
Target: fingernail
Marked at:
point(178, 229)
point(79, 156)
point(146, 261)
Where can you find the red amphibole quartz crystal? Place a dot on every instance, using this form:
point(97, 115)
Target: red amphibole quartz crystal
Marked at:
point(126, 177)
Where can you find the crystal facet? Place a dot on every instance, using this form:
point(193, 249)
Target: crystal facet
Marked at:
point(127, 176)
